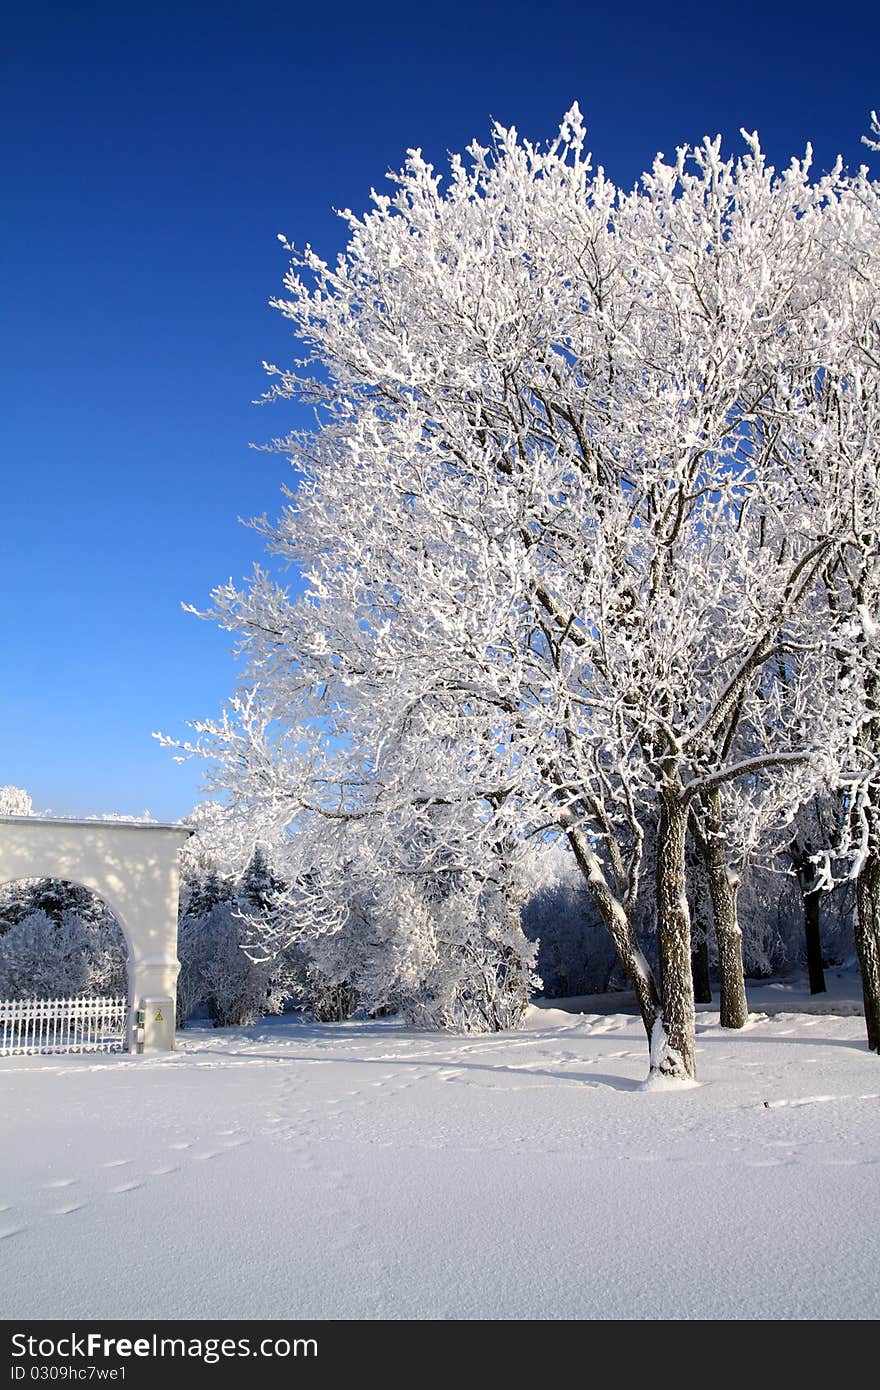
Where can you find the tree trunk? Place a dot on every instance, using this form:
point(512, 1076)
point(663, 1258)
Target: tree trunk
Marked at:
point(700, 926)
point(700, 970)
point(801, 853)
point(867, 934)
point(672, 1046)
point(728, 934)
point(723, 889)
point(617, 921)
point(814, 942)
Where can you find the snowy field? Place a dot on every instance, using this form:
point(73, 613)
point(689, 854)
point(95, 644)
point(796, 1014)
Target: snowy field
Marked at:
point(366, 1171)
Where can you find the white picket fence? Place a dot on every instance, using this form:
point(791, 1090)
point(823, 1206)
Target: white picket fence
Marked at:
point(87, 1024)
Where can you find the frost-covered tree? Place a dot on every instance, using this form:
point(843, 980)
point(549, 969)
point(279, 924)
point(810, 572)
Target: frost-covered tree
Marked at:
point(235, 989)
point(566, 538)
point(216, 974)
point(219, 912)
point(206, 906)
point(48, 957)
point(15, 801)
point(404, 919)
point(842, 457)
point(258, 888)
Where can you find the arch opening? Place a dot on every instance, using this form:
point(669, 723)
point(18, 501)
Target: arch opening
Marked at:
point(59, 938)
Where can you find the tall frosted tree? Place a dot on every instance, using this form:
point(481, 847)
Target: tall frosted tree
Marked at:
point(845, 453)
point(566, 547)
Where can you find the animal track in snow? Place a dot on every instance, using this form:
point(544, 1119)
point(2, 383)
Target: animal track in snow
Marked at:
point(804, 1100)
point(769, 1162)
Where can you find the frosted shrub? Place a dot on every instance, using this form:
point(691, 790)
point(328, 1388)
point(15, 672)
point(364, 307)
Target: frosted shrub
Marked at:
point(475, 968)
point(480, 986)
point(325, 999)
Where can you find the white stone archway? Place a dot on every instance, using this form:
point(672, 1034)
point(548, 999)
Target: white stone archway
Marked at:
point(133, 866)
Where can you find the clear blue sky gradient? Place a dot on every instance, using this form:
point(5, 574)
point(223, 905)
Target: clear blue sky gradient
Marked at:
point(151, 156)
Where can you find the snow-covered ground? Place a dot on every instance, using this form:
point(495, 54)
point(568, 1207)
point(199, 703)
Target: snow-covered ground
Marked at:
point(362, 1170)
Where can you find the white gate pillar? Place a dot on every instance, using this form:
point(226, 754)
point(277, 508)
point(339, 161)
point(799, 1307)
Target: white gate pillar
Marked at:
point(133, 866)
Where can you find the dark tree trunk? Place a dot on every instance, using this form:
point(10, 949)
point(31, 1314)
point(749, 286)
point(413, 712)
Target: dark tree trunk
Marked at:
point(700, 970)
point(700, 929)
point(723, 889)
point(814, 942)
point(801, 857)
point(867, 934)
point(617, 921)
point(731, 978)
point(672, 1053)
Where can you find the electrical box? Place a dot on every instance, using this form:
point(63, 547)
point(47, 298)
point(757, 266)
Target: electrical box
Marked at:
point(158, 1025)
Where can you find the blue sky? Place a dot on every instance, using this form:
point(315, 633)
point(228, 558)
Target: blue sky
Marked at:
point(151, 154)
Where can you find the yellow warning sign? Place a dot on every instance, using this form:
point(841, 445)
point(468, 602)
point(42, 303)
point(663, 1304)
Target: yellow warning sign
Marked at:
point(159, 1017)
